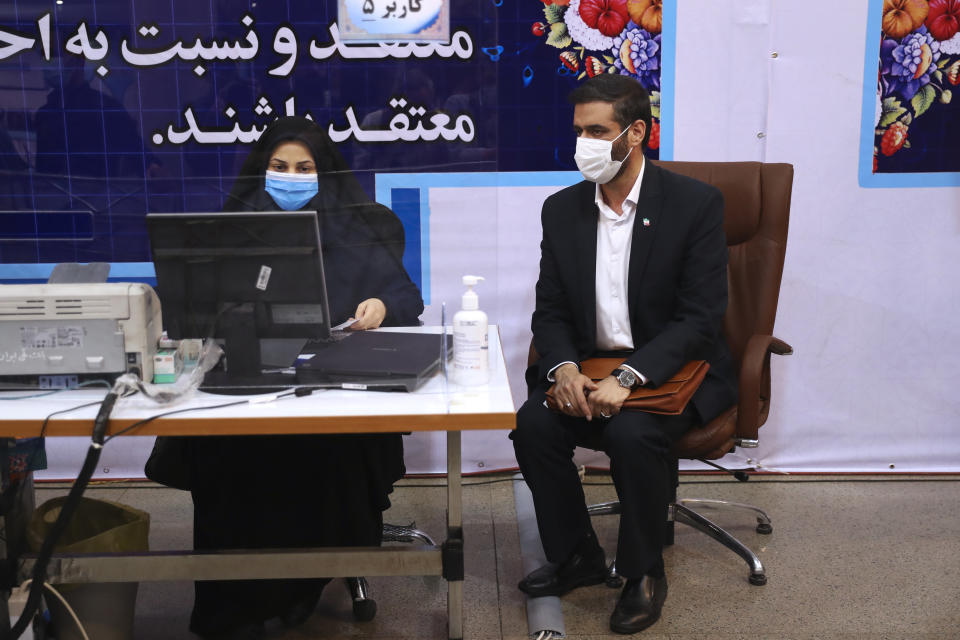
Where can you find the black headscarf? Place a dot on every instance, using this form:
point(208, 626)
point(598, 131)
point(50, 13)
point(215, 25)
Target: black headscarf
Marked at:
point(336, 181)
point(363, 241)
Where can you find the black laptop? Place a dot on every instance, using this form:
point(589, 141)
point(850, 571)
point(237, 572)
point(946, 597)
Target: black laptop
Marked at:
point(378, 360)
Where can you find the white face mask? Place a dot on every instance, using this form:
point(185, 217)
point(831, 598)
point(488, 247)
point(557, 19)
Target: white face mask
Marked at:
point(595, 158)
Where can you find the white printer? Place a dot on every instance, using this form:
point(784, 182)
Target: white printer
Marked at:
point(61, 332)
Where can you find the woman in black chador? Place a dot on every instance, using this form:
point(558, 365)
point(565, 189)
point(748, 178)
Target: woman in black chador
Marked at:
point(309, 490)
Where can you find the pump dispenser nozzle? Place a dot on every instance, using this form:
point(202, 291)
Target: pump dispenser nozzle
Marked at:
point(470, 300)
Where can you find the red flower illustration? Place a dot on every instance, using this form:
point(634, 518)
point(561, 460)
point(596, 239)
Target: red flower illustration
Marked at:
point(607, 16)
point(593, 66)
point(893, 138)
point(654, 141)
point(570, 61)
point(943, 21)
point(953, 73)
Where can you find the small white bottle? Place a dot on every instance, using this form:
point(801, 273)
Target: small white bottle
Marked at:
point(470, 347)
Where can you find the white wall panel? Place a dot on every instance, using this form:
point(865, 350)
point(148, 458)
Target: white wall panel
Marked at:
point(869, 298)
point(721, 81)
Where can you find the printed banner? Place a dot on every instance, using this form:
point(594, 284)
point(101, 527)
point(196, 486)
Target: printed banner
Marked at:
point(110, 110)
point(609, 36)
point(911, 74)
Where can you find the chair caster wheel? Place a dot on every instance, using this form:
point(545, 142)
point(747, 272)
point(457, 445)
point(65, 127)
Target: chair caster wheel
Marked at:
point(758, 579)
point(765, 528)
point(614, 581)
point(364, 610)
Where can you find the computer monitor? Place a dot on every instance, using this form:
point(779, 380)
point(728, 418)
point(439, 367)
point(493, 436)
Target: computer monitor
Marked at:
point(240, 277)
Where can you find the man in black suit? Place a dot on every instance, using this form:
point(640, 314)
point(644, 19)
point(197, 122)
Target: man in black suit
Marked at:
point(633, 261)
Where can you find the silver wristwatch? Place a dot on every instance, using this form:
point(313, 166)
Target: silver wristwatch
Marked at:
point(627, 379)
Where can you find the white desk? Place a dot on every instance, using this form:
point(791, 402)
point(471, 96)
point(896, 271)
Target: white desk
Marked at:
point(438, 405)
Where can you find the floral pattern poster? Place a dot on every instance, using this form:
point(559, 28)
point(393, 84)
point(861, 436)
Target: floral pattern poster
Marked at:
point(916, 114)
point(592, 37)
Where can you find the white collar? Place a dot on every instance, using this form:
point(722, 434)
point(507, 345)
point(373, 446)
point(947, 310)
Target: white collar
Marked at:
point(633, 197)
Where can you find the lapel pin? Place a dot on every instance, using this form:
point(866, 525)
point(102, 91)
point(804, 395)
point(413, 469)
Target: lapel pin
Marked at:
point(646, 222)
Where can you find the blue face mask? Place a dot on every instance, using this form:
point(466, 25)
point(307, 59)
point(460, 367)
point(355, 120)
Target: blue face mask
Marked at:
point(290, 190)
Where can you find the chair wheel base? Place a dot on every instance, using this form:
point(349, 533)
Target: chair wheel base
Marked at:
point(614, 582)
point(364, 610)
point(758, 579)
point(765, 528)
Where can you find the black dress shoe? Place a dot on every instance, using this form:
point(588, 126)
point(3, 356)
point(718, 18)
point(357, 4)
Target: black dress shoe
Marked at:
point(639, 605)
point(579, 570)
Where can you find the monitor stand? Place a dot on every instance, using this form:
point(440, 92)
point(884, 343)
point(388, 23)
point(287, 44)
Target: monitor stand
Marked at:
point(243, 370)
point(230, 384)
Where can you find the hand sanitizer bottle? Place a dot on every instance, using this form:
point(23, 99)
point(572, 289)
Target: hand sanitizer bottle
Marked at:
point(470, 347)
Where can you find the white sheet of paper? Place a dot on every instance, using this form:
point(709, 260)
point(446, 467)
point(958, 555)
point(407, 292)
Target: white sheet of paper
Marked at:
point(343, 325)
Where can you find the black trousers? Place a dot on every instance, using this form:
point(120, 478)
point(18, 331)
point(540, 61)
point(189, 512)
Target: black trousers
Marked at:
point(638, 445)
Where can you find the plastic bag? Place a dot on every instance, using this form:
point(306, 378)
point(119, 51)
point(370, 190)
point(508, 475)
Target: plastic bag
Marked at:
point(107, 611)
point(96, 526)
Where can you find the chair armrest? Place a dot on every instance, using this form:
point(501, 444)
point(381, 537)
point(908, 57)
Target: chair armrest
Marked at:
point(779, 347)
point(755, 383)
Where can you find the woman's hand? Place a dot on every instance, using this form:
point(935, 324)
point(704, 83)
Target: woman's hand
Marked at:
point(369, 314)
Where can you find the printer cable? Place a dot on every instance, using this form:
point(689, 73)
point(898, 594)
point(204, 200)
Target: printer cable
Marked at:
point(98, 440)
point(39, 575)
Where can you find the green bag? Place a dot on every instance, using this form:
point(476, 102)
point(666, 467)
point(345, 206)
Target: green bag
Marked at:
point(96, 526)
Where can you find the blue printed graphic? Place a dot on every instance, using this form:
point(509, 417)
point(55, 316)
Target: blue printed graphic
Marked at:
point(111, 110)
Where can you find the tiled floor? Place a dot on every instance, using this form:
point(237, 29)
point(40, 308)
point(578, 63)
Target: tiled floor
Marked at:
point(849, 557)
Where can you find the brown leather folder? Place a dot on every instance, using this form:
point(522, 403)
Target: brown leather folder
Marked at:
point(670, 398)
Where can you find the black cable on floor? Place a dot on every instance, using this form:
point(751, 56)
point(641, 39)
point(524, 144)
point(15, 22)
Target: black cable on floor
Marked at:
point(98, 440)
point(63, 518)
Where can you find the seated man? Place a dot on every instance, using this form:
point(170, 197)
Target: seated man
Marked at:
point(633, 260)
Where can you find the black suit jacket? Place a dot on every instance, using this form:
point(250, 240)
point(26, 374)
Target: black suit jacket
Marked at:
point(676, 288)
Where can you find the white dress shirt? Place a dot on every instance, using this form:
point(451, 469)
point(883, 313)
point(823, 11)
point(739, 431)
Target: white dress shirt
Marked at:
point(614, 238)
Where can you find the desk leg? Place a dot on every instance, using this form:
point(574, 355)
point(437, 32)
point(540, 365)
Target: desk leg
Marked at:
point(5, 621)
point(454, 487)
point(453, 547)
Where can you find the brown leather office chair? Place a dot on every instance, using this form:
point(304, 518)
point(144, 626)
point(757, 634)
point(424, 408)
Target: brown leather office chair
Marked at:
point(757, 210)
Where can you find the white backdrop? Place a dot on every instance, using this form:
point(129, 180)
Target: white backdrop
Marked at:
point(870, 295)
point(870, 298)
